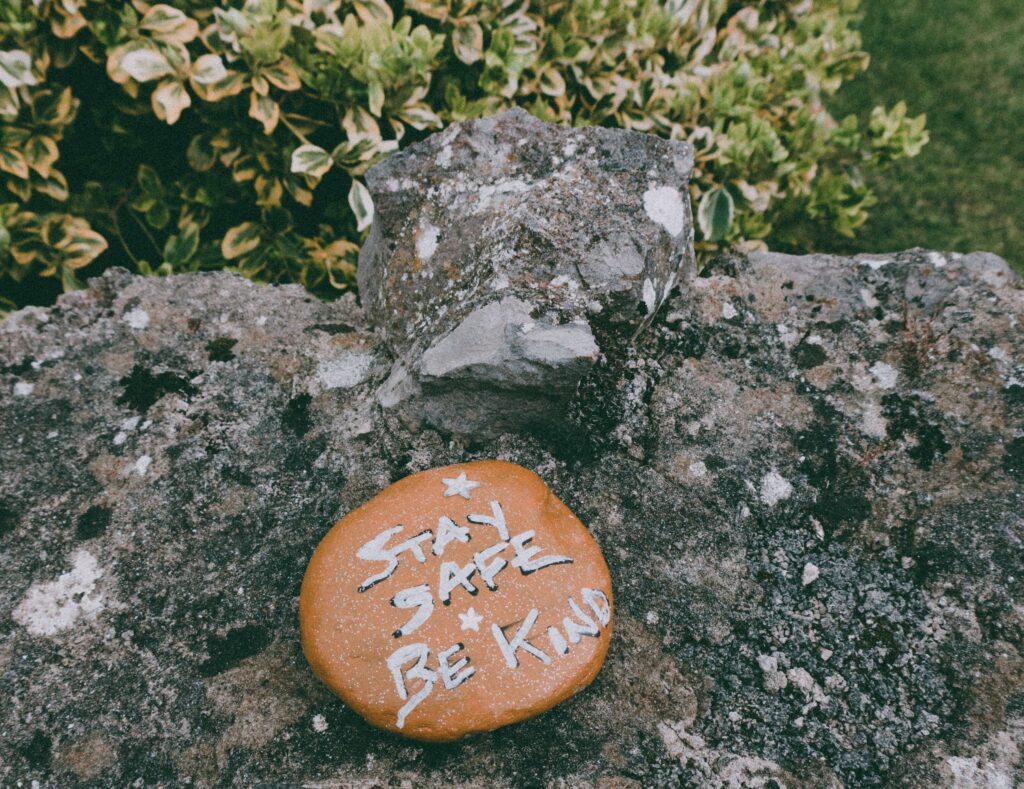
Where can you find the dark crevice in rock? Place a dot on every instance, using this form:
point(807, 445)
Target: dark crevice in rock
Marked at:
point(229, 650)
point(296, 418)
point(1013, 458)
point(142, 388)
point(8, 518)
point(38, 751)
point(910, 416)
point(93, 522)
point(332, 328)
point(219, 349)
point(808, 355)
point(20, 368)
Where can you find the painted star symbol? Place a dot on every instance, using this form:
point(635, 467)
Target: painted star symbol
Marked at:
point(460, 486)
point(470, 620)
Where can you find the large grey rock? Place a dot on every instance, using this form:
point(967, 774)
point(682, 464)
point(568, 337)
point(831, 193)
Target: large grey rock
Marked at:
point(806, 477)
point(506, 254)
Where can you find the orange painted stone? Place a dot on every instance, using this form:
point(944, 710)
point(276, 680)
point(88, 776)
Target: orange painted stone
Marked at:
point(456, 601)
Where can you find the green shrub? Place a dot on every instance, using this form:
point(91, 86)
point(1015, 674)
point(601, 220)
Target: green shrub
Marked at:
point(203, 135)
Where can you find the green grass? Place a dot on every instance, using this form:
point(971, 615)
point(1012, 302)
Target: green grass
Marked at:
point(962, 63)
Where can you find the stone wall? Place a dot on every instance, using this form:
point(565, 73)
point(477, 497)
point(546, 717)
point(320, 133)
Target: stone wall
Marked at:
point(805, 473)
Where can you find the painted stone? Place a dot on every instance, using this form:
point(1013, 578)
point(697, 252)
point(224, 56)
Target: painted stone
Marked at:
point(457, 600)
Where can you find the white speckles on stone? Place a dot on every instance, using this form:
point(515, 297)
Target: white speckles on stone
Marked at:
point(668, 285)
point(319, 724)
point(788, 336)
point(51, 607)
point(728, 311)
point(723, 767)
point(444, 157)
point(801, 678)
point(885, 375)
point(120, 438)
point(487, 193)
point(874, 263)
point(814, 339)
point(652, 617)
point(23, 389)
point(136, 319)
point(937, 259)
point(974, 774)
point(426, 240)
point(698, 469)
point(811, 573)
point(664, 205)
point(774, 679)
point(650, 296)
point(998, 354)
point(346, 371)
point(774, 488)
point(868, 298)
point(141, 466)
point(872, 422)
point(826, 654)
point(130, 423)
point(261, 320)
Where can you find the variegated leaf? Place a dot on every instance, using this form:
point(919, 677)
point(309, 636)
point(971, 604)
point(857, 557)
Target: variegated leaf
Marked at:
point(311, 160)
point(240, 240)
point(65, 25)
point(232, 84)
point(16, 69)
point(468, 41)
point(420, 117)
point(715, 214)
point(360, 125)
point(551, 82)
point(8, 102)
point(145, 64)
point(11, 161)
point(376, 97)
point(208, 69)
point(265, 110)
point(81, 245)
point(371, 11)
point(40, 154)
point(180, 247)
point(169, 99)
point(169, 24)
point(283, 75)
point(55, 186)
point(362, 204)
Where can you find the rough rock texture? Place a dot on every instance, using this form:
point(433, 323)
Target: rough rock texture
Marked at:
point(506, 254)
point(806, 477)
